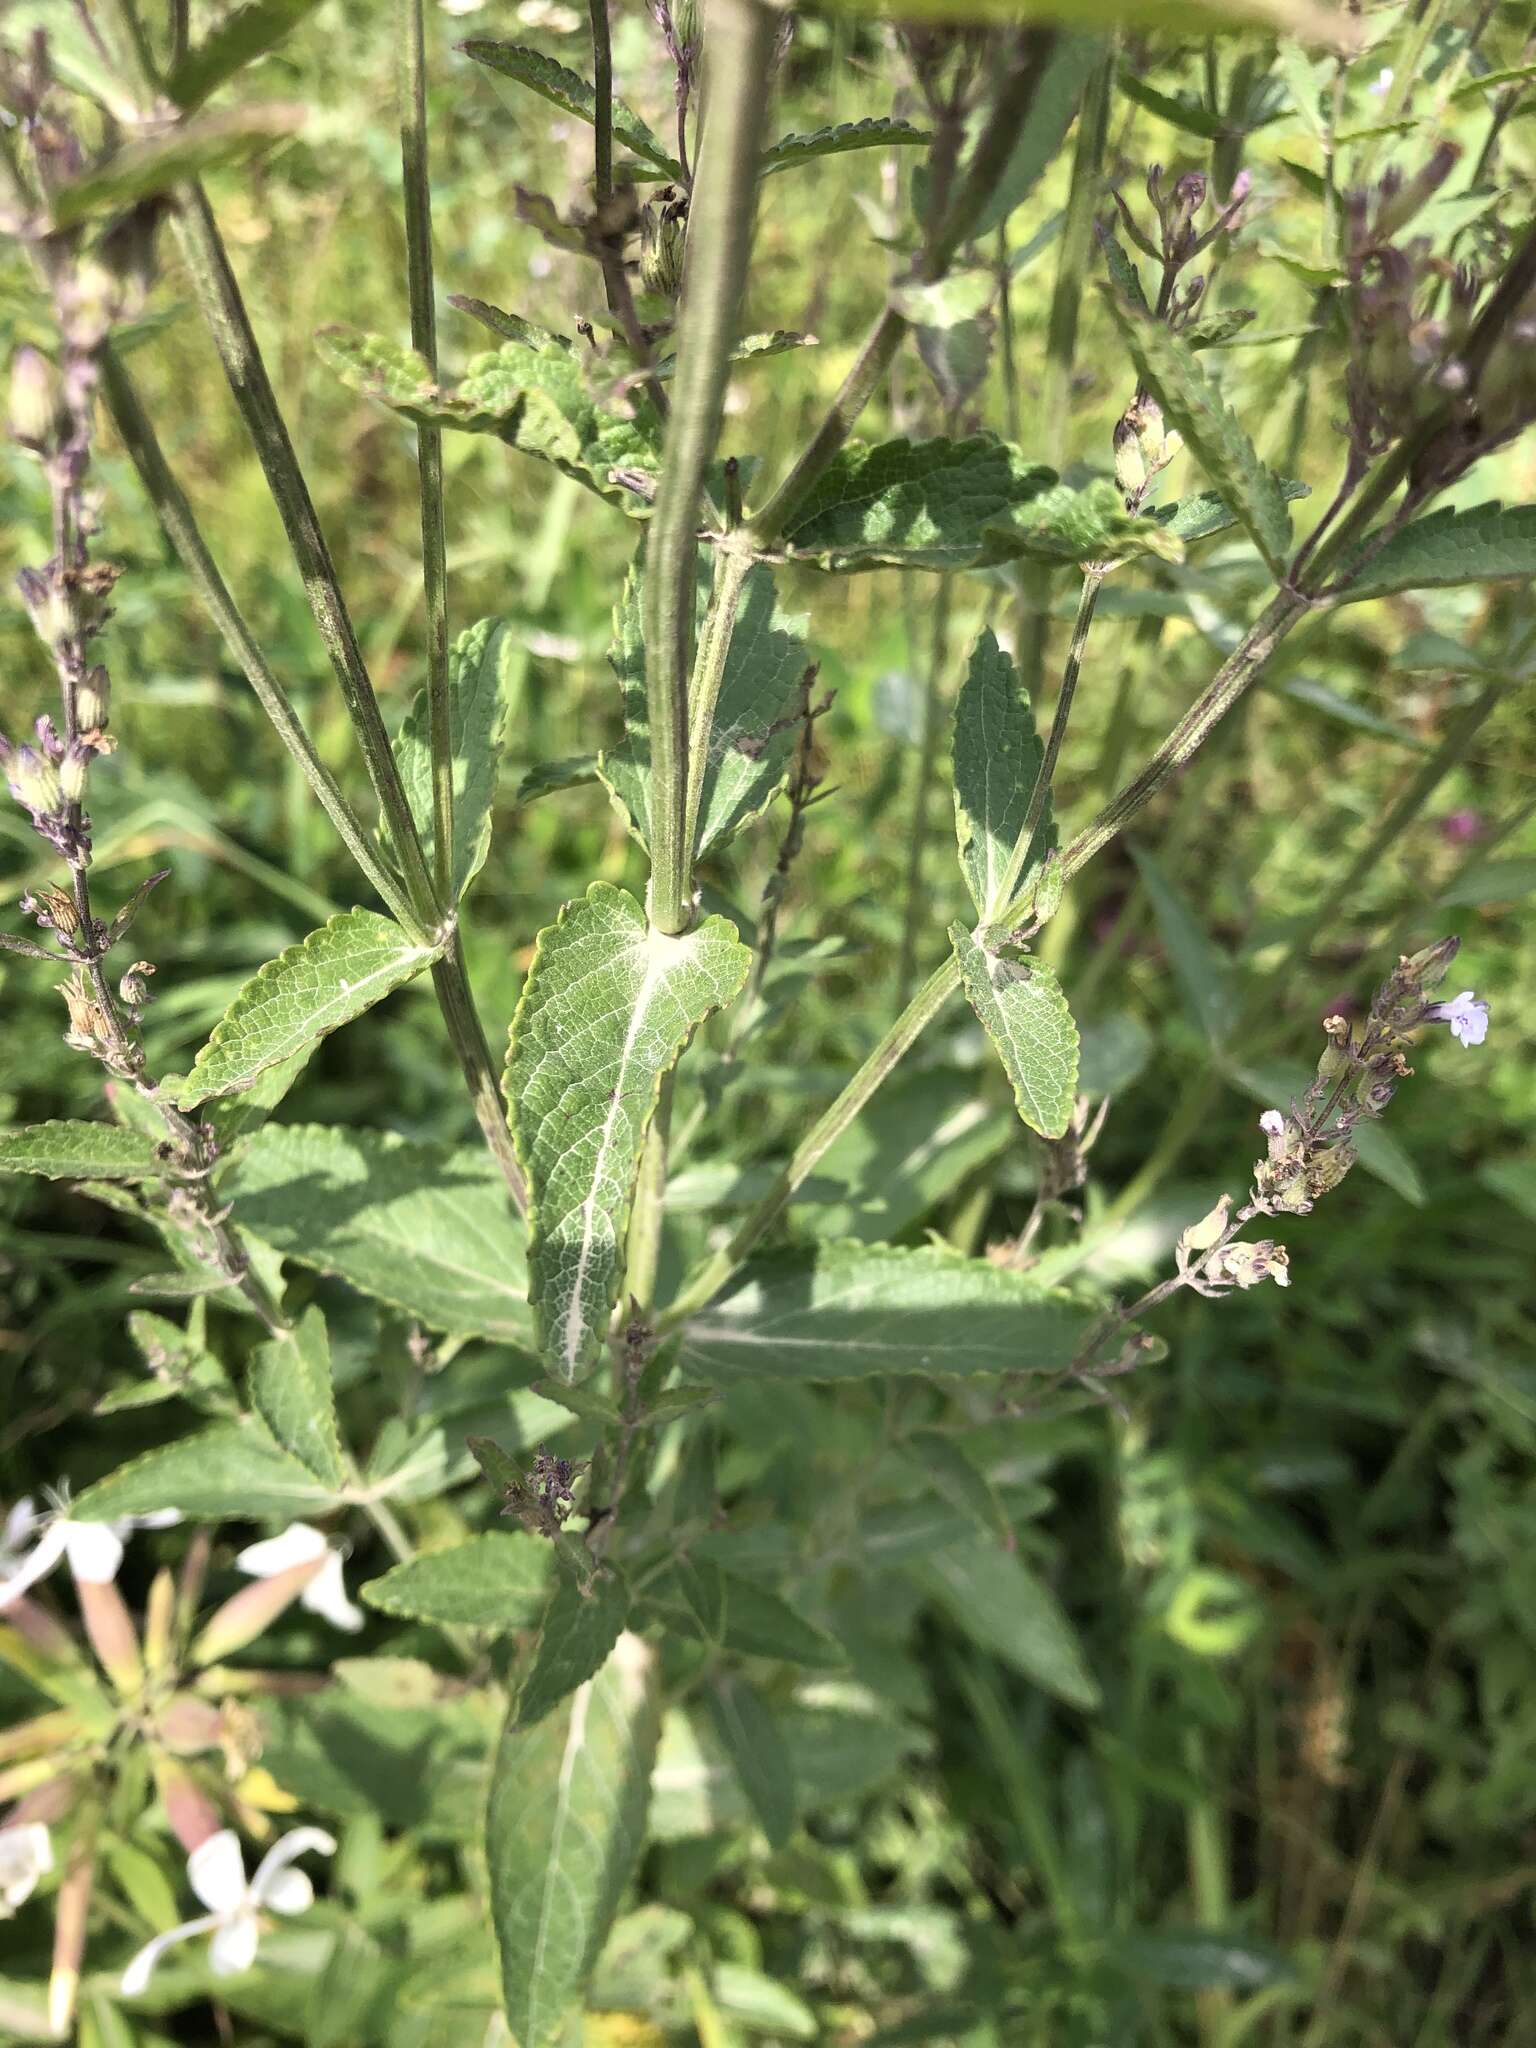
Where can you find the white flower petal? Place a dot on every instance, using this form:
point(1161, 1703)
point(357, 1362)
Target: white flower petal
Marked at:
point(26, 1854)
point(94, 1549)
point(326, 1595)
point(216, 1871)
point(44, 1555)
point(288, 1891)
point(20, 1522)
point(298, 1544)
point(160, 1518)
point(142, 1968)
point(282, 1852)
point(1272, 1123)
point(233, 1947)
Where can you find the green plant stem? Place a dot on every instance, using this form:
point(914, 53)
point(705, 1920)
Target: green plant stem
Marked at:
point(719, 247)
point(416, 191)
point(466, 1034)
point(732, 568)
point(1040, 795)
point(602, 109)
point(915, 910)
point(179, 523)
point(642, 1256)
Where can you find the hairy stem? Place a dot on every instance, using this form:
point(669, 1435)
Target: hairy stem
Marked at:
point(1040, 795)
point(915, 911)
point(731, 571)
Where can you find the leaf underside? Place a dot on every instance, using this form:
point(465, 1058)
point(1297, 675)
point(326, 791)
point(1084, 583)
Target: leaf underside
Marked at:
point(1020, 1006)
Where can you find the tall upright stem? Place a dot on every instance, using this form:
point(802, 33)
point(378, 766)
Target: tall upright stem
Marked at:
point(1040, 795)
point(915, 911)
point(738, 40)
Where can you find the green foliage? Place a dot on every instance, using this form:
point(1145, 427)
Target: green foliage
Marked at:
point(1020, 1006)
point(67, 1150)
point(483, 672)
point(151, 168)
point(1481, 545)
point(291, 1392)
point(245, 34)
point(496, 1581)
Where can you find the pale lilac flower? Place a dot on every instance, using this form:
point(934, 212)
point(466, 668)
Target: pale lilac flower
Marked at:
point(216, 1872)
point(1467, 1017)
point(26, 1854)
point(94, 1549)
point(1272, 1124)
point(326, 1593)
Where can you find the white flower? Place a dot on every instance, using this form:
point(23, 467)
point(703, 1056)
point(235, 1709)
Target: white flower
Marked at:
point(326, 1593)
point(26, 1854)
point(1467, 1017)
point(94, 1549)
point(1272, 1124)
point(216, 1871)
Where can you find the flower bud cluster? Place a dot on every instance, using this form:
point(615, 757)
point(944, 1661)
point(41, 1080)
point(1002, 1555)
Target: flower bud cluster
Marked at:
point(1177, 240)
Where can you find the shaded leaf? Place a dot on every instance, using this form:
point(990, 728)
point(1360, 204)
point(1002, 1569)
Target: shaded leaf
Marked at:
point(995, 1599)
point(881, 132)
point(1199, 1959)
point(572, 94)
point(578, 1631)
point(1204, 513)
point(1203, 972)
point(1020, 1006)
point(549, 776)
point(141, 170)
point(836, 1758)
point(1484, 545)
point(749, 1735)
point(291, 1389)
point(243, 36)
point(70, 1150)
point(753, 1621)
point(483, 669)
point(1044, 128)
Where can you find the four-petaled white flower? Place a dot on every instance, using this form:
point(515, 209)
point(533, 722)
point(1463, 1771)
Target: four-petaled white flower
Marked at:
point(26, 1854)
point(216, 1871)
point(94, 1549)
point(1466, 1015)
point(326, 1593)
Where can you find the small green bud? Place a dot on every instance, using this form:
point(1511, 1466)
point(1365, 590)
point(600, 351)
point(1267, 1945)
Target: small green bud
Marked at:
point(72, 771)
point(1131, 473)
point(663, 241)
point(687, 25)
point(93, 700)
point(34, 781)
point(38, 419)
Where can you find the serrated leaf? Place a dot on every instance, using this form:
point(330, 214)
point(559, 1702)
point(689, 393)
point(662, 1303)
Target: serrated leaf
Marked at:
point(1204, 973)
point(752, 348)
point(846, 1311)
point(998, 755)
point(422, 1227)
point(344, 968)
point(235, 1469)
point(749, 1735)
point(70, 1150)
point(549, 776)
point(837, 1756)
point(881, 132)
point(578, 1631)
point(1020, 1006)
point(483, 670)
point(508, 326)
point(191, 149)
point(752, 1621)
point(945, 504)
point(563, 88)
point(1043, 129)
point(1487, 544)
point(497, 1581)
point(607, 1007)
point(292, 1391)
point(243, 36)
point(534, 398)
point(747, 757)
point(234, 1117)
point(1212, 432)
point(1204, 513)
point(564, 1829)
point(1183, 111)
point(1000, 1603)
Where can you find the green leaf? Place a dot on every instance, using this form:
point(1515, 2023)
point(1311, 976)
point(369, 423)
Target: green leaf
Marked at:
point(1204, 513)
point(1487, 544)
point(750, 1737)
point(995, 1599)
point(534, 398)
point(607, 1007)
point(748, 757)
point(234, 1117)
point(496, 1581)
point(422, 1227)
point(80, 1151)
point(1492, 881)
point(291, 1390)
point(1200, 1959)
point(1219, 443)
point(572, 94)
point(484, 667)
point(1203, 972)
point(578, 1631)
point(845, 1311)
point(563, 1832)
point(1304, 19)
point(882, 132)
point(243, 36)
point(1043, 130)
point(945, 504)
point(546, 777)
point(191, 149)
point(235, 1469)
point(837, 1758)
point(344, 968)
point(909, 1150)
point(751, 1621)
point(1182, 112)
point(757, 2003)
point(998, 755)
point(1020, 1006)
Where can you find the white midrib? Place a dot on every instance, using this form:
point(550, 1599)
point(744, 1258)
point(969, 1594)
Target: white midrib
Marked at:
point(576, 1736)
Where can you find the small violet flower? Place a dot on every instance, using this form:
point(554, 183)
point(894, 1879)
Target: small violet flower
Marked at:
point(326, 1593)
point(94, 1549)
point(216, 1872)
point(26, 1854)
point(1467, 1017)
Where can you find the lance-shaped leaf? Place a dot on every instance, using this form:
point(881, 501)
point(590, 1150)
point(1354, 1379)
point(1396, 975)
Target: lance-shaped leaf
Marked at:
point(234, 1468)
point(191, 149)
point(571, 94)
point(1206, 512)
point(998, 756)
point(535, 399)
point(1212, 432)
point(1020, 1006)
point(607, 1007)
point(844, 1311)
point(564, 1828)
point(1206, 976)
point(243, 36)
point(1043, 129)
point(422, 1227)
point(498, 1581)
point(1001, 1604)
point(578, 1631)
point(344, 968)
point(70, 1150)
point(945, 504)
point(291, 1390)
point(883, 132)
point(754, 730)
point(750, 1737)
point(484, 666)
point(1486, 544)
